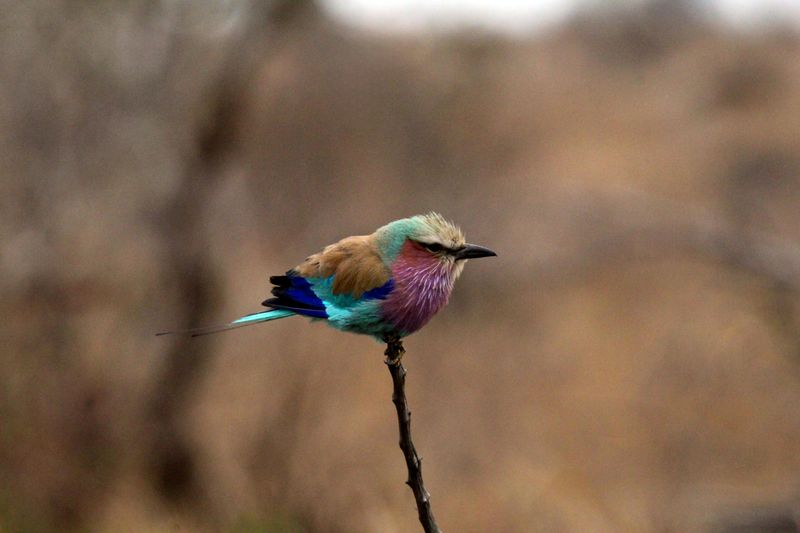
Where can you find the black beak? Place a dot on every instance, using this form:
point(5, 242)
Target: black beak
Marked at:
point(473, 251)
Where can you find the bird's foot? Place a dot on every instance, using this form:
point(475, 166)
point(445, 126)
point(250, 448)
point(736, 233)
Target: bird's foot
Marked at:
point(394, 350)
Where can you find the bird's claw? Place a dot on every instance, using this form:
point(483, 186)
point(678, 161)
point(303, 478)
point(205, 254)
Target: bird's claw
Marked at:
point(393, 359)
point(394, 350)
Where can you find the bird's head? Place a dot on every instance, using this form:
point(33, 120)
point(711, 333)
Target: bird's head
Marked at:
point(430, 238)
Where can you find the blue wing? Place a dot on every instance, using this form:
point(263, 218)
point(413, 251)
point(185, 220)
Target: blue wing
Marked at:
point(296, 293)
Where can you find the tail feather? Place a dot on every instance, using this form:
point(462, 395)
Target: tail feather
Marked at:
point(247, 320)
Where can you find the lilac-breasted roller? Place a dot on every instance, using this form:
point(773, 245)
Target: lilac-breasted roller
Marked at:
point(387, 284)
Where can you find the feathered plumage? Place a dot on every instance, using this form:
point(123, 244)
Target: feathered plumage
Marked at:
point(391, 282)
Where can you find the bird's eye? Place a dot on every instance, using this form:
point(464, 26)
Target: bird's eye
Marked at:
point(433, 246)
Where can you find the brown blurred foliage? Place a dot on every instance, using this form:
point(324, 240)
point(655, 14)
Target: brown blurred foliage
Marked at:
point(630, 362)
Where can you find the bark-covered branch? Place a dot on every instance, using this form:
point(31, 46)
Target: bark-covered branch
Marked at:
point(394, 352)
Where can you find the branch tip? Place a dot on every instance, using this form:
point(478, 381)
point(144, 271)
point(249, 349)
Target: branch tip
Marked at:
point(394, 353)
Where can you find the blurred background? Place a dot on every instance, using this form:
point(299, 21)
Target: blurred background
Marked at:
point(629, 362)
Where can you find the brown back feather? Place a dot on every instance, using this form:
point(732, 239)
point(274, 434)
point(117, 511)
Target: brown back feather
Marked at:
point(353, 262)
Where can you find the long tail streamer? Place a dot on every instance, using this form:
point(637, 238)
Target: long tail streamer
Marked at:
point(247, 320)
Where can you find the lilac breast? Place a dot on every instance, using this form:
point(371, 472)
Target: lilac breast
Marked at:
point(422, 286)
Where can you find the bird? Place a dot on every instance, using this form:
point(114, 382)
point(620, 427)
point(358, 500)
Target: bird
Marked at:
point(387, 285)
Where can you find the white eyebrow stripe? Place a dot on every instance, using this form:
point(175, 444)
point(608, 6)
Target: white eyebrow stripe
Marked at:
point(447, 249)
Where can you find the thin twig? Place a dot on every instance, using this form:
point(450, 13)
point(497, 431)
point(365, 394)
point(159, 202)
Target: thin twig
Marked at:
point(394, 352)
